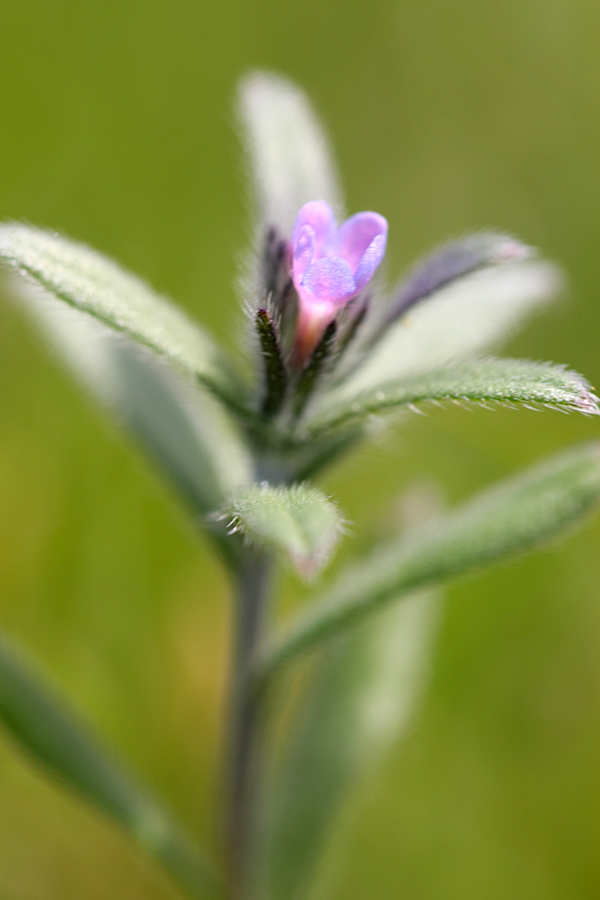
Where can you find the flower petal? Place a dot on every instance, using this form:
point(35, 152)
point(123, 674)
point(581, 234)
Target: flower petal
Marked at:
point(304, 252)
point(329, 279)
point(357, 234)
point(370, 261)
point(319, 216)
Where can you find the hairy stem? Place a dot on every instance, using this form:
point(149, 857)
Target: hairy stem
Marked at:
point(243, 773)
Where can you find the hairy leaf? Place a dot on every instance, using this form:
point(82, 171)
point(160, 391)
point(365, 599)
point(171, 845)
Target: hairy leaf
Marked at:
point(359, 700)
point(87, 281)
point(185, 432)
point(298, 521)
point(484, 380)
point(452, 261)
point(54, 738)
point(514, 517)
point(466, 319)
point(289, 154)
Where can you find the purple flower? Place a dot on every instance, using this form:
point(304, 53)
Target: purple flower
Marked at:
point(330, 266)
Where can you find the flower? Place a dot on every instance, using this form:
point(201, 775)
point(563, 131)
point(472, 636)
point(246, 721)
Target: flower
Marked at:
point(331, 266)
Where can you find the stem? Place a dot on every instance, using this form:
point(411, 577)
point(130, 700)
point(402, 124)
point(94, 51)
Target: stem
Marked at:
point(244, 756)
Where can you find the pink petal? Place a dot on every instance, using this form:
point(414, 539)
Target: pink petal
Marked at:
point(358, 233)
point(373, 256)
point(304, 252)
point(329, 279)
point(319, 216)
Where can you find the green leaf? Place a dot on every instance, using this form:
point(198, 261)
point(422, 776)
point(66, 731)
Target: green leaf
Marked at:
point(89, 282)
point(465, 320)
point(452, 261)
point(516, 516)
point(479, 381)
point(185, 431)
point(54, 738)
point(360, 698)
point(289, 153)
point(188, 436)
point(299, 522)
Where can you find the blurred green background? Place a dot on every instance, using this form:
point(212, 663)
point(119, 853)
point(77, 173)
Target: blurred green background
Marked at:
point(117, 128)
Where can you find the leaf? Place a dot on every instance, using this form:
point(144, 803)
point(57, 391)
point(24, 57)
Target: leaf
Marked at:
point(479, 381)
point(298, 521)
point(188, 437)
point(360, 699)
point(516, 516)
point(289, 154)
point(54, 738)
point(452, 261)
point(93, 284)
point(185, 432)
point(464, 320)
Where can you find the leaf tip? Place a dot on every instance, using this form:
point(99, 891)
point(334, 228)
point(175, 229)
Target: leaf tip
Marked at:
point(297, 521)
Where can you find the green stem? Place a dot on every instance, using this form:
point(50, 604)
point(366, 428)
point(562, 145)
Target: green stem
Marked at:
point(243, 772)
